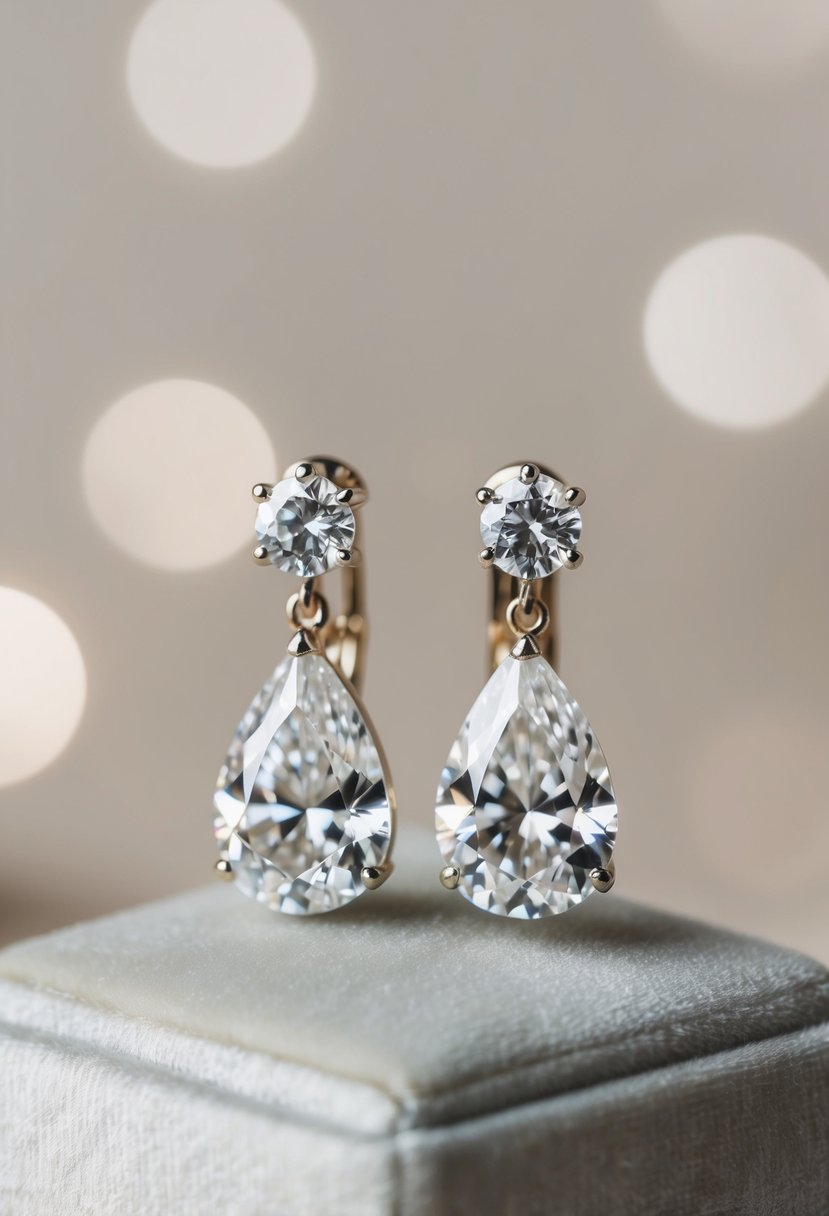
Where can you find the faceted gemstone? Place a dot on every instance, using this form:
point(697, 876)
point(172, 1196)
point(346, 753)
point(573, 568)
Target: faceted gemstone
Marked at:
point(525, 808)
point(530, 526)
point(303, 799)
point(301, 525)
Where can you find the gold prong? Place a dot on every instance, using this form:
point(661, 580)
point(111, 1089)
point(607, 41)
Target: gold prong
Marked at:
point(352, 497)
point(260, 555)
point(261, 491)
point(374, 876)
point(603, 877)
point(348, 557)
point(450, 876)
point(484, 495)
point(224, 869)
point(575, 496)
point(302, 643)
point(525, 648)
point(487, 557)
point(572, 559)
point(529, 473)
point(304, 471)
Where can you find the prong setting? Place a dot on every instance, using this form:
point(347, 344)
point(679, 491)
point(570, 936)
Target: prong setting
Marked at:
point(572, 559)
point(450, 876)
point(373, 877)
point(348, 557)
point(575, 496)
point(484, 495)
point(525, 648)
point(302, 524)
point(529, 523)
point(224, 869)
point(261, 491)
point(351, 497)
point(302, 643)
point(305, 471)
point(487, 557)
point(603, 877)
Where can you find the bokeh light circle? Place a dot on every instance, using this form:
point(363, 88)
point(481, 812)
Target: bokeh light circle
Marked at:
point(759, 37)
point(221, 83)
point(736, 330)
point(42, 685)
point(167, 473)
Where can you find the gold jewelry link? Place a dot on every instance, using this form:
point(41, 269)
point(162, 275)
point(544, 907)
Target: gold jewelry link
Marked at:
point(511, 598)
point(535, 614)
point(343, 637)
point(307, 609)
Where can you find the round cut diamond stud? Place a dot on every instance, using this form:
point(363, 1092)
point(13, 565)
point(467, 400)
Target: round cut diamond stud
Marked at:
point(531, 527)
point(303, 526)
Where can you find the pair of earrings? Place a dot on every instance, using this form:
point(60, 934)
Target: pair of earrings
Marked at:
point(525, 811)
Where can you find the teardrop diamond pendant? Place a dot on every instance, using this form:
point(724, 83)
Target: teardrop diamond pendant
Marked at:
point(525, 811)
point(302, 801)
point(304, 806)
point(525, 806)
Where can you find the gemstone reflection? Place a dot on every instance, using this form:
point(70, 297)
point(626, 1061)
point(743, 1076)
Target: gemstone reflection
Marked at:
point(525, 807)
point(303, 799)
point(302, 525)
point(530, 527)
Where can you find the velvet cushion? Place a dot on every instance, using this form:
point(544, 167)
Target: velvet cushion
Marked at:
point(410, 1054)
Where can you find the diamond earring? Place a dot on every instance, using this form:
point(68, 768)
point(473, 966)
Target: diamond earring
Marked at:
point(304, 804)
point(525, 812)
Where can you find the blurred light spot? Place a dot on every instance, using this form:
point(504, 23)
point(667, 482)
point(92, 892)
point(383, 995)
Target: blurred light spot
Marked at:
point(737, 330)
point(42, 685)
point(755, 806)
point(757, 36)
point(221, 83)
point(168, 470)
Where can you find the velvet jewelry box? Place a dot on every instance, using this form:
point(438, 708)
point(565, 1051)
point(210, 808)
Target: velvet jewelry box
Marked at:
point(410, 1055)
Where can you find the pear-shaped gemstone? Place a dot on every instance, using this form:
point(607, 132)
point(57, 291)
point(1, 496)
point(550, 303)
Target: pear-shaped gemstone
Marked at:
point(303, 800)
point(525, 808)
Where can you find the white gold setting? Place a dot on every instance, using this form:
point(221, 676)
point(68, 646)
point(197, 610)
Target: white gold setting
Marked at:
point(303, 524)
point(529, 525)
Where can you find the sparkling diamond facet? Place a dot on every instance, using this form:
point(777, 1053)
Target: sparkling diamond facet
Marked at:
point(529, 526)
point(302, 801)
point(301, 525)
point(525, 808)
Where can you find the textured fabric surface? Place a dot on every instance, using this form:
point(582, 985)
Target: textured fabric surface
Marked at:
point(410, 1054)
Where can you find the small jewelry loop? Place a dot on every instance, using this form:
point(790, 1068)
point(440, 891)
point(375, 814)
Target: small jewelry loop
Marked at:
point(506, 590)
point(343, 637)
point(318, 605)
point(533, 608)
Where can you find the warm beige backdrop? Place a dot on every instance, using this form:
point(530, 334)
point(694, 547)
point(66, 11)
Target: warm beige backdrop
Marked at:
point(447, 268)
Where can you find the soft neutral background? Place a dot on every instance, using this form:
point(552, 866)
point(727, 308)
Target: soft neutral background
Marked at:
point(454, 263)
